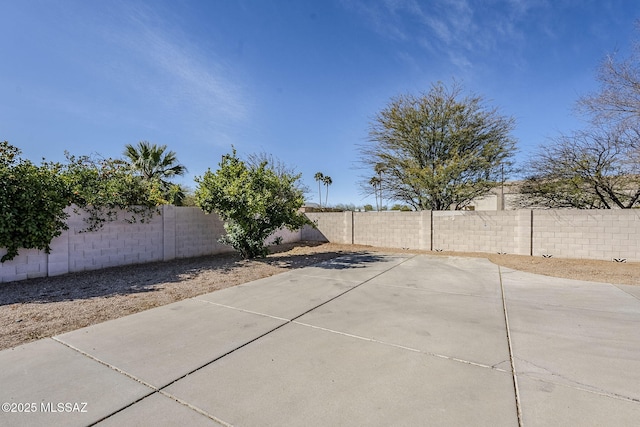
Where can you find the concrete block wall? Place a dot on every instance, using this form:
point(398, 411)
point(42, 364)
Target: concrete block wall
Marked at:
point(587, 234)
point(196, 233)
point(57, 260)
point(482, 231)
point(287, 236)
point(180, 232)
point(175, 232)
point(411, 230)
point(335, 227)
point(29, 264)
point(116, 243)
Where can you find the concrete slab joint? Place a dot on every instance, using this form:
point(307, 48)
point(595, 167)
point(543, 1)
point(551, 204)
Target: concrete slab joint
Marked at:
point(363, 339)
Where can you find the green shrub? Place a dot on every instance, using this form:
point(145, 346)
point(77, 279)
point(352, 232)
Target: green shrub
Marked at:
point(33, 198)
point(103, 187)
point(32, 203)
point(253, 200)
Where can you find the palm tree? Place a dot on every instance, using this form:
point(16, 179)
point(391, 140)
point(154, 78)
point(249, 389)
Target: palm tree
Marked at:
point(319, 176)
point(327, 181)
point(380, 168)
point(153, 163)
point(376, 182)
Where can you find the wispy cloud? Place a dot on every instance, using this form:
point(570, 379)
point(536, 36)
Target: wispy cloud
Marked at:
point(159, 61)
point(377, 15)
point(458, 29)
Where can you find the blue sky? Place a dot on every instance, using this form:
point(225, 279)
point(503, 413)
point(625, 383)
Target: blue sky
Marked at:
point(299, 79)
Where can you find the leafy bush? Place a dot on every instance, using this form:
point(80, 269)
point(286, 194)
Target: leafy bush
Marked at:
point(103, 187)
point(253, 200)
point(33, 198)
point(32, 203)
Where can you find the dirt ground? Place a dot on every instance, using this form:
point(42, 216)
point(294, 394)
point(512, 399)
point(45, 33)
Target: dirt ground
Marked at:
point(39, 308)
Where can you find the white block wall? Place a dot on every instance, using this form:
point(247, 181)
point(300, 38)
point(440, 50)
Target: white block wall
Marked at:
point(286, 235)
point(333, 227)
point(196, 233)
point(393, 229)
point(29, 264)
point(180, 232)
point(485, 231)
point(589, 234)
point(116, 243)
point(177, 232)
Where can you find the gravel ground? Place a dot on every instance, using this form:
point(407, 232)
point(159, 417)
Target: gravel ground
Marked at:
point(39, 308)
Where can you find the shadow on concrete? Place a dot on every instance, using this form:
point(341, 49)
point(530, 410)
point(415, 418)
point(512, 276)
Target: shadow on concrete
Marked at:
point(284, 256)
point(354, 260)
point(156, 276)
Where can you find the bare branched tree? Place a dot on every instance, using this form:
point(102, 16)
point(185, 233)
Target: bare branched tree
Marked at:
point(618, 99)
point(598, 168)
point(280, 168)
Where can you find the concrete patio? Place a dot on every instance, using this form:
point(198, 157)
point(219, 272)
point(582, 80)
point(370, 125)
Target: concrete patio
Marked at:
point(365, 339)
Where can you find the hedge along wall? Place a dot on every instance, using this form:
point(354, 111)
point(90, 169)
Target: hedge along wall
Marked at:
point(587, 234)
point(177, 232)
